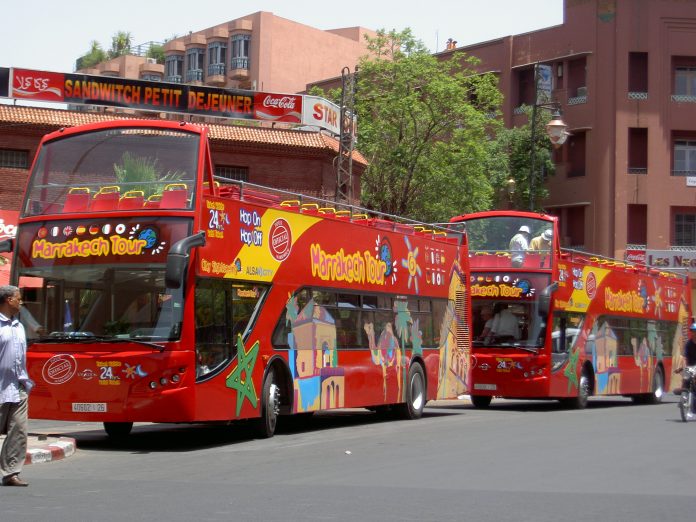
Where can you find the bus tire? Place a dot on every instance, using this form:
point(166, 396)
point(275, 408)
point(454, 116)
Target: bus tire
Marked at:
point(481, 401)
point(270, 407)
point(658, 388)
point(117, 431)
point(579, 402)
point(415, 394)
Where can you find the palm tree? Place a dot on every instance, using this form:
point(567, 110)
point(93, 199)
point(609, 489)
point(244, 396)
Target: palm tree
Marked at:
point(94, 56)
point(120, 44)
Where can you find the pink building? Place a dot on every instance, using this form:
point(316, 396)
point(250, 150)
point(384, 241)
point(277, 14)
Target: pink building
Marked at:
point(259, 51)
point(624, 73)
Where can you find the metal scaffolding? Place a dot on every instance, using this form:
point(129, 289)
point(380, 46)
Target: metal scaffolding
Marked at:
point(344, 160)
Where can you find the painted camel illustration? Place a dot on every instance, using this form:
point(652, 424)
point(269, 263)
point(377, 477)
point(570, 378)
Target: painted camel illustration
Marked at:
point(386, 352)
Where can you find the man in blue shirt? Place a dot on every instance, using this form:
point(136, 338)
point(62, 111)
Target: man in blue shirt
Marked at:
point(15, 386)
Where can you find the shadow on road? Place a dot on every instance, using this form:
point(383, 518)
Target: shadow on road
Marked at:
point(153, 438)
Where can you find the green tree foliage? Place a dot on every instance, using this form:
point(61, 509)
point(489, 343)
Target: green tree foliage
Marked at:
point(94, 56)
point(510, 159)
point(142, 173)
point(156, 51)
point(120, 44)
point(424, 127)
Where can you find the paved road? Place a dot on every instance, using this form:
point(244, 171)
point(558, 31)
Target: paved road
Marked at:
point(519, 461)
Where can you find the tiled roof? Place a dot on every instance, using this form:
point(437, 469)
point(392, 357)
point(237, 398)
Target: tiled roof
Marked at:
point(258, 137)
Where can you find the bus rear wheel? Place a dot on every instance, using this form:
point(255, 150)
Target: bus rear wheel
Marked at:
point(579, 402)
point(118, 430)
point(415, 394)
point(270, 407)
point(481, 401)
point(658, 388)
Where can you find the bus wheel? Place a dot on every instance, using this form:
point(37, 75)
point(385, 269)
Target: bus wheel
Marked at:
point(481, 401)
point(118, 430)
point(270, 407)
point(579, 402)
point(415, 394)
point(658, 388)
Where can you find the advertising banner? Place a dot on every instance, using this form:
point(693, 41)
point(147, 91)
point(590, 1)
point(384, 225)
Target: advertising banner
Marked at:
point(635, 256)
point(322, 113)
point(26, 84)
point(672, 259)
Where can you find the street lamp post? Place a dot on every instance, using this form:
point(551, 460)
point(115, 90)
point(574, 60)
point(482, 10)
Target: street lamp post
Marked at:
point(555, 129)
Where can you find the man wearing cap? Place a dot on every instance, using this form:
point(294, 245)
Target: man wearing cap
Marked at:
point(542, 242)
point(519, 244)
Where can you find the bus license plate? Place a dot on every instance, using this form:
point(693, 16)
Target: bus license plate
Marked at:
point(478, 386)
point(89, 407)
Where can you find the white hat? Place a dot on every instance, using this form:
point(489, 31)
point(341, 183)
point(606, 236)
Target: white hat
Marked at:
point(547, 234)
point(524, 228)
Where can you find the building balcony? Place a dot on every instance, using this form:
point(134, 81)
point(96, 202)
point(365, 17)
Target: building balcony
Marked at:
point(194, 75)
point(240, 25)
point(683, 98)
point(151, 67)
point(239, 69)
point(173, 79)
point(637, 95)
point(216, 75)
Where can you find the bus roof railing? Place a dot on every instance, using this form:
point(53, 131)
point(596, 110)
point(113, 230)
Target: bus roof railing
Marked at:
point(307, 204)
point(578, 256)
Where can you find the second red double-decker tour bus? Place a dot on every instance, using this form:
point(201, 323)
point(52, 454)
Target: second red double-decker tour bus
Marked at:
point(552, 323)
point(153, 293)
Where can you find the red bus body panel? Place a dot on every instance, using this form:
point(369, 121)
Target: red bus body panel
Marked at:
point(601, 291)
point(254, 237)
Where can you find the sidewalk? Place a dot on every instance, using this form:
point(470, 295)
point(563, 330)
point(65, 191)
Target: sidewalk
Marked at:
point(44, 448)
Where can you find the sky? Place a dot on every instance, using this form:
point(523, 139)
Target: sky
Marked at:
point(50, 36)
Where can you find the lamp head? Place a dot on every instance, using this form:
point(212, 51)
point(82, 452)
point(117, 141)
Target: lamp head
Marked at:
point(556, 130)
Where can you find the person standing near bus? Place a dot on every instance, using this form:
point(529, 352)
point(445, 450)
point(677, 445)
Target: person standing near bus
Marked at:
point(487, 320)
point(15, 386)
point(519, 244)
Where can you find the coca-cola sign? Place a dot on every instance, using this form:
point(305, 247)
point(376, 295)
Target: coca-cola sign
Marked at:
point(278, 107)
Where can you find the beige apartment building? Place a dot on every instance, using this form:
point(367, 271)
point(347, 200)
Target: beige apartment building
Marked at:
point(260, 52)
point(624, 73)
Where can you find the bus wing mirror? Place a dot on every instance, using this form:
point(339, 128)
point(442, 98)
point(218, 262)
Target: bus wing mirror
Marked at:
point(545, 299)
point(178, 257)
point(7, 245)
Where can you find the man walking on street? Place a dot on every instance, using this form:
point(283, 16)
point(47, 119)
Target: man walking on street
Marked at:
point(15, 386)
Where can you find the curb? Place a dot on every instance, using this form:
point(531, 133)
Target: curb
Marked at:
point(58, 449)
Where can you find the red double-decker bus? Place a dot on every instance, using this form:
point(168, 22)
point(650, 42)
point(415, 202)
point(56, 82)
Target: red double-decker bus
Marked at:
point(553, 323)
point(156, 293)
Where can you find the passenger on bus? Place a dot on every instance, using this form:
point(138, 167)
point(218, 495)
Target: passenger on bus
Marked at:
point(542, 242)
point(487, 320)
point(139, 311)
point(505, 326)
point(519, 244)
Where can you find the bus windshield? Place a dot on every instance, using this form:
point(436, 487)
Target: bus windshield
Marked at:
point(107, 302)
point(99, 278)
point(505, 309)
point(497, 241)
point(115, 169)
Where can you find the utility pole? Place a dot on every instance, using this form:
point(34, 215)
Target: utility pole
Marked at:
point(344, 164)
